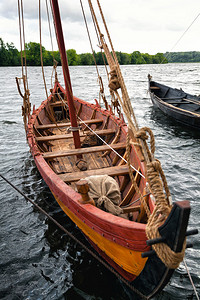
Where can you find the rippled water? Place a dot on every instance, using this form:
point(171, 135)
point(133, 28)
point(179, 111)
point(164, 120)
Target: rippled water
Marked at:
point(37, 261)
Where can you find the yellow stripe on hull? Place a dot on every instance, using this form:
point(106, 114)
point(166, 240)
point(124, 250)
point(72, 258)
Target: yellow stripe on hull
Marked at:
point(130, 261)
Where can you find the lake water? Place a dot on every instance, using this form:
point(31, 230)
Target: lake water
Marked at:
point(38, 261)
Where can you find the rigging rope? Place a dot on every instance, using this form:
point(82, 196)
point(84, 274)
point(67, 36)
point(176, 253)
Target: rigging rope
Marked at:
point(155, 175)
point(42, 65)
point(51, 38)
point(99, 77)
point(185, 32)
point(181, 37)
point(76, 240)
point(190, 277)
point(26, 108)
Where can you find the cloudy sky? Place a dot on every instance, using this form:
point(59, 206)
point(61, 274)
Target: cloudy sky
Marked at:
point(148, 26)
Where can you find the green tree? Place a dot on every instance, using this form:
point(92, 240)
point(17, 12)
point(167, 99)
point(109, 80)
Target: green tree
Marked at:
point(86, 59)
point(73, 58)
point(148, 58)
point(159, 59)
point(13, 55)
point(47, 58)
point(33, 54)
point(137, 58)
point(123, 58)
point(56, 55)
point(3, 54)
point(100, 58)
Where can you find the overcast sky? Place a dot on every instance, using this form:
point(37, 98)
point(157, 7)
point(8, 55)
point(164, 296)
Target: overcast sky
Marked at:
point(148, 26)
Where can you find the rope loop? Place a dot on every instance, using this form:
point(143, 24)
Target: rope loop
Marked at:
point(155, 174)
point(142, 134)
point(170, 258)
point(113, 82)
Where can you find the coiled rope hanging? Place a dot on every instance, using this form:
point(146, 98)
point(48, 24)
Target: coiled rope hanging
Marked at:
point(157, 183)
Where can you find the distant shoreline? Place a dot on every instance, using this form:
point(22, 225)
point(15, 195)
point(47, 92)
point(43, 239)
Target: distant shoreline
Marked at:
point(10, 56)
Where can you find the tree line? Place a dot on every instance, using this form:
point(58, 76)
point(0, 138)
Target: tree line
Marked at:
point(183, 57)
point(10, 56)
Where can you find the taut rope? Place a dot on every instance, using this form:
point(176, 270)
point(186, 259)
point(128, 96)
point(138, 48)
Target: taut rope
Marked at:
point(42, 65)
point(155, 176)
point(26, 108)
point(142, 296)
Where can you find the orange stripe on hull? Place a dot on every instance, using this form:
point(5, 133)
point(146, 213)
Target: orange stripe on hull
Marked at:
point(130, 261)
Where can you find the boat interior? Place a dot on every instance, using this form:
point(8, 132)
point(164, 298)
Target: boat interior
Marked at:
point(54, 139)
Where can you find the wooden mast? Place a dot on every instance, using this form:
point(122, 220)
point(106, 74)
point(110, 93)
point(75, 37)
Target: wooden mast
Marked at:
point(68, 87)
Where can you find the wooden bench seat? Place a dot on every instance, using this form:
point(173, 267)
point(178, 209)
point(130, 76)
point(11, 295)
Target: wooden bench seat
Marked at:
point(58, 103)
point(154, 88)
point(66, 136)
point(70, 152)
point(51, 126)
point(110, 171)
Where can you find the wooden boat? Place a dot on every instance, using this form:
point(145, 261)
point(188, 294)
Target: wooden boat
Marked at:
point(129, 218)
point(181, 106)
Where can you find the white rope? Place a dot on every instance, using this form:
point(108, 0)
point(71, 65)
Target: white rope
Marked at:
point(185, 32)
point(192, 283)
point(111, 147)
point(105, 141)
point(181, 37)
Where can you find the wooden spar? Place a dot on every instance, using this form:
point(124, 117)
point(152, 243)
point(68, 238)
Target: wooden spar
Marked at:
point(68, 87)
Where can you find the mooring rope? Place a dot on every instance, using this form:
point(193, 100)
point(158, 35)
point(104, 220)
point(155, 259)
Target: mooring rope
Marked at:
point(190, 277)
point(76, 240)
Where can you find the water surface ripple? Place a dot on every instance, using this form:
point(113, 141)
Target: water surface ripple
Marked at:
point(37, 260)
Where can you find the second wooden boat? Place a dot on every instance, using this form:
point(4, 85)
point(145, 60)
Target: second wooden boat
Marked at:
point(176, 103)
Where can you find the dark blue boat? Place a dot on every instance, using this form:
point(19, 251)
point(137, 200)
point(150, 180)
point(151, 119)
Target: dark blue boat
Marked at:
point(181, 106)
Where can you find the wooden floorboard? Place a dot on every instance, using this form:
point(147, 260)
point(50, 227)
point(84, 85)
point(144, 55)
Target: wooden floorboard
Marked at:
point(110, 171)
point(70, 152)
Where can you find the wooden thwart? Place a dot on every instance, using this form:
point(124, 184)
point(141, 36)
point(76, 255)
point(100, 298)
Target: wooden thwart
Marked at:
point(59, 103)
point(197, 102)
point(70, 152)
point(51, 126)
point(131, 209)
point(154, 88)
point(110, 171)
point(66, 136)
